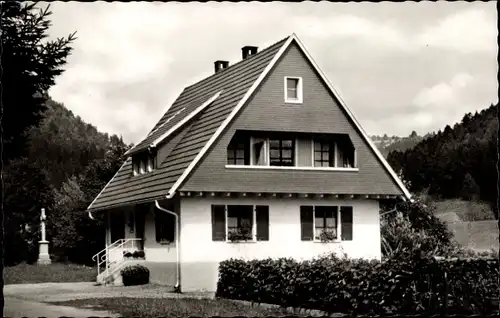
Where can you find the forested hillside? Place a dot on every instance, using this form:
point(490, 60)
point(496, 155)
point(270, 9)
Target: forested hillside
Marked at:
point(66, 163)
point(458, 162)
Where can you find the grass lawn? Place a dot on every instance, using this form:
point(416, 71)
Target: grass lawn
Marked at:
point(53, 273)
point(168, 307)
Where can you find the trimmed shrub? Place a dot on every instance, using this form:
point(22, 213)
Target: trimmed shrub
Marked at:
point(413, 285)
point(135, 275)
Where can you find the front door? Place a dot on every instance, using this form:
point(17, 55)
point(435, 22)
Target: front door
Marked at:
point(140, 223)
point(117, 220)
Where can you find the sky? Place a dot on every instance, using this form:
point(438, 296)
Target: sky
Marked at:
point(399, 67)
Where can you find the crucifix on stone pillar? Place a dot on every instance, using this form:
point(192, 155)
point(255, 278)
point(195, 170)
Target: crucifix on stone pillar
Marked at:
point(43, 256)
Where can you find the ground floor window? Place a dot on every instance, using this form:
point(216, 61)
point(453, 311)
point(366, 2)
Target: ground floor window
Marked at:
point(326, 223)
point(240, 223)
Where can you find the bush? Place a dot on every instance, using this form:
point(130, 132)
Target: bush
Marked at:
point(135, 275)
point(415, 229)
point(412, 285)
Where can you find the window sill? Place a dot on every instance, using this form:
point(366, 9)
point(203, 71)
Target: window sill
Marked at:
point(166, 243)
point(293, 168)
point(327, 242)
point(293, 101)
point(240, 242)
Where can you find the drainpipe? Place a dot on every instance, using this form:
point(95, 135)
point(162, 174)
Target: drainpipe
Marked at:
point(90, 216)
point(177, 240)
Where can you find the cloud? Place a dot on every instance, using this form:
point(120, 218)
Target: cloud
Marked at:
point(350, 26)
point(444, 94)
point(467, 31)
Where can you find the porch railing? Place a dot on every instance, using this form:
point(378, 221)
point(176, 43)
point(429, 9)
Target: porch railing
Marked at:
point(103, 256)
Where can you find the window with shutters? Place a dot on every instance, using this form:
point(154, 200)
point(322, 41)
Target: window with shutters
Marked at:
point(326, 223)
point(240, 223)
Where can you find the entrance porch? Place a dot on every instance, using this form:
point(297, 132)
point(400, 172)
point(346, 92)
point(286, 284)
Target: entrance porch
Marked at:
point(140, 234)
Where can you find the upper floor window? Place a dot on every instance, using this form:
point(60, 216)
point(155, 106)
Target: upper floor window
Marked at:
point(281, 152)
point(238, 151)
point(324, 153)
point(293, 89)
point(286, 150)
point(143, 163)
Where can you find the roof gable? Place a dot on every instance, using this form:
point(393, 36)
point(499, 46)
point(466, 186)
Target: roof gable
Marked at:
point(318, 114)
point(237, 109)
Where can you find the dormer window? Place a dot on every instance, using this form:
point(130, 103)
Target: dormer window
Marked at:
point(324, 153)
point(282, 152)
point(238, 151)
point(143, 163)
point(293, 89)
point(149, 166)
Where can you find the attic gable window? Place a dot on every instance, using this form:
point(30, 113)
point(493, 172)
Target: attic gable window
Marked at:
point(293, 89)
point(143, 163)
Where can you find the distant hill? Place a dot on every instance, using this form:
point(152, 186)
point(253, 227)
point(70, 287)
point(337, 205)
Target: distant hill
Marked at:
point(386, 144)
point(458, 162)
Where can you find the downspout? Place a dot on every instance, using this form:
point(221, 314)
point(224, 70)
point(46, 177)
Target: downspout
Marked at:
point(90, 216)
point(177, 241)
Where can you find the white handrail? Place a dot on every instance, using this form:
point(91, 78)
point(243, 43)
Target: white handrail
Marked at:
point(116, 245)
point(97, 255)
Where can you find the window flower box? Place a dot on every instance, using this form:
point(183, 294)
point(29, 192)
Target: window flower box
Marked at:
point(327, 236)
point(240, 235)
point(134, 255)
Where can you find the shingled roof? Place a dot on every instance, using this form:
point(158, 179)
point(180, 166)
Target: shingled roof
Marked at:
point(195, 121)
point(196, 128)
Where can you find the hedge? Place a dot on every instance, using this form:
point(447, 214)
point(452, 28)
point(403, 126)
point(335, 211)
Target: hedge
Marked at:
point(412, 286)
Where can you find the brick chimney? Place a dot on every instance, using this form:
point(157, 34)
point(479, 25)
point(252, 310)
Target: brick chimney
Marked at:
point(248, 51)
point(220, 65)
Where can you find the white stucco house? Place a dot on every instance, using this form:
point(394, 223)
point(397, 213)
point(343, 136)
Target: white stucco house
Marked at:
point(260, 159)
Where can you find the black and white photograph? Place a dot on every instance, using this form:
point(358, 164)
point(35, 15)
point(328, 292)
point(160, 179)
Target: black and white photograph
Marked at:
point(250, 159)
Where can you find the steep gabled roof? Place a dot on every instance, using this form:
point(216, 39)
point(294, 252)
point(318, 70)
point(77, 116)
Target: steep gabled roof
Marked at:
point(233, 83)
point(201, 130)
